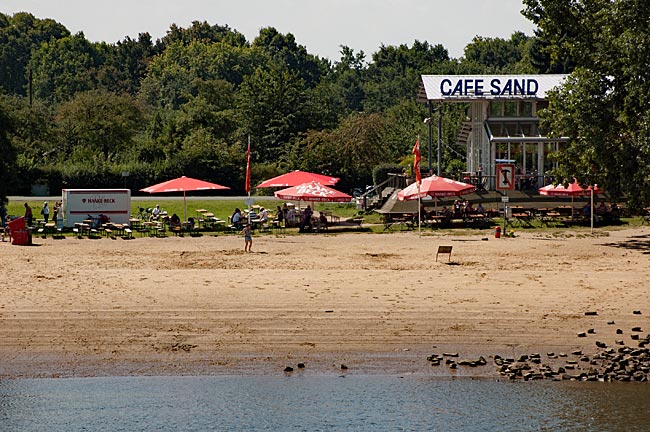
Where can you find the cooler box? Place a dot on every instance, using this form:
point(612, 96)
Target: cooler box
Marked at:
point(16, 224)
point(20, 237)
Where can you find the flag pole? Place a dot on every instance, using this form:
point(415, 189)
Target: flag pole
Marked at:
point(248, 178)
point(419, 212)
point(418, 180)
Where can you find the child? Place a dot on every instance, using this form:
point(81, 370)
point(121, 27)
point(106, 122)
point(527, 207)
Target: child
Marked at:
point(248, 238)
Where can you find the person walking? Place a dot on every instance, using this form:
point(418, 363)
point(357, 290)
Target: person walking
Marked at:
point(248, 237)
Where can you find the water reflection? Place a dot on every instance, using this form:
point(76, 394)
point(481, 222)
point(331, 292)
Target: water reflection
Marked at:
point(376, 403)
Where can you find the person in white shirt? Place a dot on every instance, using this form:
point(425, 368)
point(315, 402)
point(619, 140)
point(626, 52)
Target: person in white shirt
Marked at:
point(155, 214)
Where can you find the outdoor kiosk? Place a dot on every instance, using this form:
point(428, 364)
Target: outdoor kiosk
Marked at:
point(82, 204)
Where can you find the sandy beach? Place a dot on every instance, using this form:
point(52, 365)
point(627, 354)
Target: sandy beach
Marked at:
point(375, 303)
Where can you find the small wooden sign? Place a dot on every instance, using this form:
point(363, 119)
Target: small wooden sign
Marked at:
point(444, 250)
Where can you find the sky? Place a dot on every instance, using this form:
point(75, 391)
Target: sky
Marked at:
point(321, 26)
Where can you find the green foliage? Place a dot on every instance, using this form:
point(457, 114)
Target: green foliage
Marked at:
point(186, 104)
point(380, 173)
point(604, 109)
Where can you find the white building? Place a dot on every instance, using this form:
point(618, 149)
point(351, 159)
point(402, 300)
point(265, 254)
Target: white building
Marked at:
point(501, 123)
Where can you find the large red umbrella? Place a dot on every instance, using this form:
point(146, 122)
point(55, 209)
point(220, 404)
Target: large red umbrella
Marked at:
point(435, 187)
point(295, 178)
point(572, 190)
point(183, 184)
point(312, 191)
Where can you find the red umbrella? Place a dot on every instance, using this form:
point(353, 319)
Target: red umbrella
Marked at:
point(183, 184)
point(295, 178)
point(435, 187)
point(572, 190)
point(312, 191)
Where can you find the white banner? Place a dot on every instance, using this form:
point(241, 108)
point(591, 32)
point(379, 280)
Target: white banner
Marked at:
point(473, 87)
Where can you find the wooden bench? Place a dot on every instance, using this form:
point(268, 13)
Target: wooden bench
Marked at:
point(444, 250)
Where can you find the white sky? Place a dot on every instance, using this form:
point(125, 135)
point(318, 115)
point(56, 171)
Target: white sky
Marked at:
point(321, 26)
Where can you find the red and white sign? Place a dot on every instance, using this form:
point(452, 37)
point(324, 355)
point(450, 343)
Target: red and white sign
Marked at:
point(78, 204)
point(505, 177)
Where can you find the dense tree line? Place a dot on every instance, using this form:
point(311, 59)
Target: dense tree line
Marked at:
point(79, 114)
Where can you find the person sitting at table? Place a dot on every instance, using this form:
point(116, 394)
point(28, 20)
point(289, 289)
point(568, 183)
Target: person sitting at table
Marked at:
point(424, 215)
point(291, 216)
point(469, 209)
point(264, 215)
point(155, 213)
point(236, 220)
point(322, 220)
point(305, 223)
point(175, 221)
point(457, 209)
point(479, 209)
point(279, 215)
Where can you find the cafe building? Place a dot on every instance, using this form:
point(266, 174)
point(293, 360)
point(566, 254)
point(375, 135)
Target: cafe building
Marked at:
point(501, 124)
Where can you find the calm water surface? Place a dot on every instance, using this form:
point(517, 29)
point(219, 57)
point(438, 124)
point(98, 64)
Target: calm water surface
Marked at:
point(308, 403)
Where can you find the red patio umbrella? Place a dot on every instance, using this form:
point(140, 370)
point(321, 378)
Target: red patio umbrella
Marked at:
point(312, 191)
point(295, 178)
point(572, 190)
point(435, 187)
point(183, 184)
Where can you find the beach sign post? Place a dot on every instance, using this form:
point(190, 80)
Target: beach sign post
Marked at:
point(505, 182)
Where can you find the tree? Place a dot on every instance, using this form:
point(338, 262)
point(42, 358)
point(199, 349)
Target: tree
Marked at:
point(497, 54)
point(63, 67)
point(284, 50)
point(6, 153)
point(126, 64)
point(604, 108)
point(19, 35)
point(271, 105)
point(102, 123)
point(181, 72)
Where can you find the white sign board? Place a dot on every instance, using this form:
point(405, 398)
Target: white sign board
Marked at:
point(505, 177)
point(473, 87)
point(79, 204)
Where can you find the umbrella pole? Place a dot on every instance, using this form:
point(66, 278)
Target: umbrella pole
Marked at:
point(419, 213)
point(592, 210)
point(184, 207)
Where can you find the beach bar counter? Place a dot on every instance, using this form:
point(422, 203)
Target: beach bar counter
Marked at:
point(83, 204)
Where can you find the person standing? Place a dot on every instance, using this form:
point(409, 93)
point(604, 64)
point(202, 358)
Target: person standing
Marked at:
point(29, 216)
point(57, 215)
point(248, 237)
point(45, 211)
point(3, 214)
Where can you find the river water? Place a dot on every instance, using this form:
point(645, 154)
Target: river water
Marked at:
point(319, 403)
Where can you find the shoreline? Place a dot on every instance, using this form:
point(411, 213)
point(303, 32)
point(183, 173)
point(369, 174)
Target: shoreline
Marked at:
point(377, 303)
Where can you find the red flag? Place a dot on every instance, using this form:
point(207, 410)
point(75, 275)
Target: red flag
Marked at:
point(416, 161)
point(247, 186)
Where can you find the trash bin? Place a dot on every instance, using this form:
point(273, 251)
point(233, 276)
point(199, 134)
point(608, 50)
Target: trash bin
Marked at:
point(497, 232)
